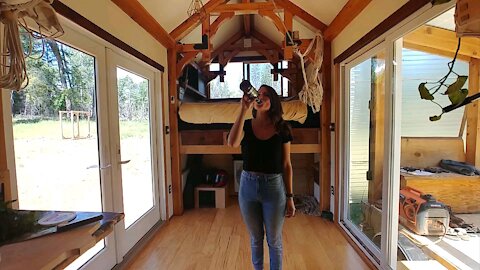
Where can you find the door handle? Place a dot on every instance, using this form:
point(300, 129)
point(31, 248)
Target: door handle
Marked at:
point(101, 168)
point(125, 161)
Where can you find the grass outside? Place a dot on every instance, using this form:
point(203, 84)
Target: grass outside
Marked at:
point(63, 174)
point(51, 129)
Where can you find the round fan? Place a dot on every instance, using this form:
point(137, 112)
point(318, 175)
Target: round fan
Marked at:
point(38, 18)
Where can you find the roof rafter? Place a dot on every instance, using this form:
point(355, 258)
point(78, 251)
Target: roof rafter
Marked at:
point(141, 16)
point(262, 38)
point(305, 18)
point(234, 38)
point(224, 17)
point(273, 17)
point(189, 24)
point(351, 10)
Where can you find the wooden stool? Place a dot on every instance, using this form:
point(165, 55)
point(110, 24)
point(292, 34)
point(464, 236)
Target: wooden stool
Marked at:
point(220, 195)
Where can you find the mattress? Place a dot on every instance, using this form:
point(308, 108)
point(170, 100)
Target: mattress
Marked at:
point(226, 112)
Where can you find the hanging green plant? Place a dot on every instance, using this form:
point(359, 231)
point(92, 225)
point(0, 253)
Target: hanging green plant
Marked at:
point(15, 223)
point(455, 91)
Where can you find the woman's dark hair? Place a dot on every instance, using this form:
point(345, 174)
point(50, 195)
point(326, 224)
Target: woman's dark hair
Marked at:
point(275, 112)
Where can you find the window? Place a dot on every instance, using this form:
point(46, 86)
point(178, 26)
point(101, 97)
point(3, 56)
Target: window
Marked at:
point(418, 67)
point(230, 88)
point(257, 73)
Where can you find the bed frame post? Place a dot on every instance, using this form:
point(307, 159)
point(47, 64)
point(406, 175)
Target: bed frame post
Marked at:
point(174, 135)
point(325, 119)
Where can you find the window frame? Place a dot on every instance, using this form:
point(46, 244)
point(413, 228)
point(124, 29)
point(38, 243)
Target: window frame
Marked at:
point(246, 76)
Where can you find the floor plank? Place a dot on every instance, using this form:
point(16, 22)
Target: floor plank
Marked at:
point(210, 238)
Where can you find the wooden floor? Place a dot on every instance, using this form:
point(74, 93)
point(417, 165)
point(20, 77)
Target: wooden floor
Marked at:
point(210, 238)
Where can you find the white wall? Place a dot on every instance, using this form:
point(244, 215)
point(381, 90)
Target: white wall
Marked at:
point(112, 19)
point(369, 18)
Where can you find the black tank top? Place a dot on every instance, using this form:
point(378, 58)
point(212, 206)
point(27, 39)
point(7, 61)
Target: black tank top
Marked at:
point(263, 156)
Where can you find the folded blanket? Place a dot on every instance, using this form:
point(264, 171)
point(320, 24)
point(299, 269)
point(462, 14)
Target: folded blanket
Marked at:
point(226, 112)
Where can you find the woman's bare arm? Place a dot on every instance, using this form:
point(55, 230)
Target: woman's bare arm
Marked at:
point(235, 135)
point(287, 169)
point(288, 181)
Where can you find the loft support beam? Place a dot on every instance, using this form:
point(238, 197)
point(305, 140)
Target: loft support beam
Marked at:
point(206, 53)
point(180, 65)
point(174, 135)
point(351, 10)
point(141, 16)
point(244, 8)
point(325, 119)
point(247, 22)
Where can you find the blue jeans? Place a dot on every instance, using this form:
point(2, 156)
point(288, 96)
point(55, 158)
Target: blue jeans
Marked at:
point(262, 202)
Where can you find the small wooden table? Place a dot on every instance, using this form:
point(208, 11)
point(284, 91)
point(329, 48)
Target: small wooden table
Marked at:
point(59, 249)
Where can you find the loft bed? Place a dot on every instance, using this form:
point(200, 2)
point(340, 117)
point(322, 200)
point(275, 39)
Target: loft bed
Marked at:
point(203, 127)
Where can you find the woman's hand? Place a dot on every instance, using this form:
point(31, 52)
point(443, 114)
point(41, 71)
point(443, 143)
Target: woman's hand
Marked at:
point(290, 208)
point(246, 103)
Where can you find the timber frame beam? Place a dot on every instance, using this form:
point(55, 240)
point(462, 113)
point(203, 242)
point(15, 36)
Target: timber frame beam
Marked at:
point(305, 18)
point(351, 10)
point(442, 42)
point(141, 16)
point(189, 24)
point(247, 22)
point(473, 115)
point(244, 8)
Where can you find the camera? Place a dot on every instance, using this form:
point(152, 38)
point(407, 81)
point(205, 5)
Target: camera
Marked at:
point(249, 90)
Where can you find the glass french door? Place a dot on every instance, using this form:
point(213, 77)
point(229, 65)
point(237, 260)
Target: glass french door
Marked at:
point(133, 127)
point(87, 136)
point(60, 138)
point(363, 140)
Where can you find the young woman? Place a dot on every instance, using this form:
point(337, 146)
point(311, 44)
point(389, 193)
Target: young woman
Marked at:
point(265, 195)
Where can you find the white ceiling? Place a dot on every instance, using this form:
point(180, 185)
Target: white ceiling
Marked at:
point(445, 20)
point(171, 13)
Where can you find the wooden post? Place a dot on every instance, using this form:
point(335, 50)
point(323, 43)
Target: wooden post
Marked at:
point(473, 114)
point(174, 135)
point(60, 115)
point(72, 121)
point(206, 53)
point(377, 140)
point(78, 125)
point(288, 49)
point(325, 119)
point(4, 172)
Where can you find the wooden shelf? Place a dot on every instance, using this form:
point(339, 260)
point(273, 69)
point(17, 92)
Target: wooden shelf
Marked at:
point(57, 250)
point(214, 142)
